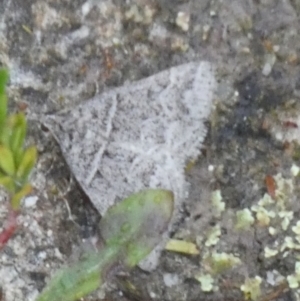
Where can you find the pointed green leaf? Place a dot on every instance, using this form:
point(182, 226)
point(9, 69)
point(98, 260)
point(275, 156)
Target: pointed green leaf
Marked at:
point(3, 98)
point(27, 163)
point(7, 161)
point(18, 156)
point(3, 109)
point(3, 80)
point(5, 134)
point(18, 134)
point(7, 183)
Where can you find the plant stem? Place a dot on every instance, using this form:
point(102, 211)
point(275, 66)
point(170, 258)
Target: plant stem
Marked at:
point(9, 228)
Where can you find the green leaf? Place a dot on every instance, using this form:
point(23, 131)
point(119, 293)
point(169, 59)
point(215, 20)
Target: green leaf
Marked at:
point(131, 228)
point(3, 80)
point(8, 183)
point(5, 134)
point(7, 161)
point(17, 197)
point(27, 163)
point(3, 98)
point(138, 222)
point(19, 125)
point(3, 109)
point(75, 282)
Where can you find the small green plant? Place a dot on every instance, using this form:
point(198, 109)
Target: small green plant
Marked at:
point(131, 229)
point(16, 161)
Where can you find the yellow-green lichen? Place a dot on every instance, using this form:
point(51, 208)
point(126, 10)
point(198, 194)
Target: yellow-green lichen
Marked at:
point(289, 244)
point(286, 217)
point(266, 200)
point(294, 279)
point(244, 219)
point(251, 288)
point(263, 215)
point(270, 252)
point(218, 263)
point(273, 231)
point(206, 282)
point(295, 170)
point(296, 228)
point(285, 188)
point(213, 236)
point(218, 205)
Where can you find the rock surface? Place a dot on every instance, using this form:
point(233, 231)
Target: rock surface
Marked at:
point(62, 53)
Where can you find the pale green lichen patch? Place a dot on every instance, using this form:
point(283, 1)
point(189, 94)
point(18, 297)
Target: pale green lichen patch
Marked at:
point(294, 279)
point(217, 203)
point(218, 263)
point(295, 169)
point(286, 217)
point(213, 236)
point(263, 215)
point(270, 252)
point(251, 288)
point(265, 200)
point(289, 244)
point(272, 231)
point(285, 188)
point(206, 282)
point(244, 219)
point(296, 228)
point(272, 214)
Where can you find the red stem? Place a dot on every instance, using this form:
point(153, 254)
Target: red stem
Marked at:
point(10, 227)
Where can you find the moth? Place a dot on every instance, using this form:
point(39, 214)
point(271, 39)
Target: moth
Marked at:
point(137, 136)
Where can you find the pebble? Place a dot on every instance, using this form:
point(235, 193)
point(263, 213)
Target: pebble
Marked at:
point(183, 20)
point(30, 201)
point(170, 279)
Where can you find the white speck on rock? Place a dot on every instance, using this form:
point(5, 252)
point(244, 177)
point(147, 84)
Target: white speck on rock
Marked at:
point(183, 20)
point(171, 279)
point(152, 295)
point(30, 201)
point(269, 63)
point(212, 13)
point(295, 170)
point(158, 32)
point(86, 8)
point(42, 255)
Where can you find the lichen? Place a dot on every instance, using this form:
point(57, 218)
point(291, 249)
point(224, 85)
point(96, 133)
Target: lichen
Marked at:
point(244, 219)
point(216, 200)
point(213, 236)
point(295, 170)
point(270, 252)
point(206, 282)
point(263, 215)
point(294, 279)
point(296, 229)
point(220, 262)
point(251, 288)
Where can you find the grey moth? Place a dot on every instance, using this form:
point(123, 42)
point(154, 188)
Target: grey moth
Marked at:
point(140, 135)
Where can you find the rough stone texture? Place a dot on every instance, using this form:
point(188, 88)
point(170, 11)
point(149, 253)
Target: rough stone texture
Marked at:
point(62, 53)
